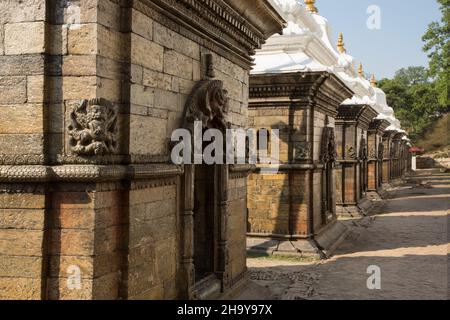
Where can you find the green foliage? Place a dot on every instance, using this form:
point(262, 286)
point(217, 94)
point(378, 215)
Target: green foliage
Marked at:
point(419, 96)
point(414, 99)
point(438, 48)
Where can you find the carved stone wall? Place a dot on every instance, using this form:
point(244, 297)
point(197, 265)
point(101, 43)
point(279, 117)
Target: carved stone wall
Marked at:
point(90, 93)
point(352, 124)
point(290, 203)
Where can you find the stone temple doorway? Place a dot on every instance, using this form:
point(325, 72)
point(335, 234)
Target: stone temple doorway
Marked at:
point(205, 221)
point(205, 197)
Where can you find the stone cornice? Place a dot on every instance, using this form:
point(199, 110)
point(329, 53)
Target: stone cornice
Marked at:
point(238, 26)
point(86, 173)
point(322, 90)
point(361, 114)
point(379, 126)
point(388, 134)
point(398, 136)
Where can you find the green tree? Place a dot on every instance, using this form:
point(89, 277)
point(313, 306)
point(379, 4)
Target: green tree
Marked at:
point(412, 75)
point(414, 99)
point(438, 48)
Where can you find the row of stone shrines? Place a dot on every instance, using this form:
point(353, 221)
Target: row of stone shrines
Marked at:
point(91, 206)
point(334, 160)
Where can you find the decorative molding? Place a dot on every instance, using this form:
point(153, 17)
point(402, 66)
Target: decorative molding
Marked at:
point(238, 171)
point(238, 27)
point(21, 159)
point(87, 173)
point(379, 126)
point(362, 115)
point(321, 90)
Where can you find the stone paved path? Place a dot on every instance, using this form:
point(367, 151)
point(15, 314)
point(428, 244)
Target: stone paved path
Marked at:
point(408, 241)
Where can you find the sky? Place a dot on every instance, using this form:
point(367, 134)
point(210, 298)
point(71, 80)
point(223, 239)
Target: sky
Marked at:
point(397, 44)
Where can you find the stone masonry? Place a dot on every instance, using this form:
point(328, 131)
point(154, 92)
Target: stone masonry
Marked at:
point(90, 92)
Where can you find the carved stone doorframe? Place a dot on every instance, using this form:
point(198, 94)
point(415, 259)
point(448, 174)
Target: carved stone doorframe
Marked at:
point(208, 104)
point(328, 159)
point(364, 157)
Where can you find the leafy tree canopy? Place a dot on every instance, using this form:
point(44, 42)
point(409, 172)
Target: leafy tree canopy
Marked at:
point(419, 95)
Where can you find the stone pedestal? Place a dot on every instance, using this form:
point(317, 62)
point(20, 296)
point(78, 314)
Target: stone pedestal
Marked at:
point(289, 209)
point(91, 206)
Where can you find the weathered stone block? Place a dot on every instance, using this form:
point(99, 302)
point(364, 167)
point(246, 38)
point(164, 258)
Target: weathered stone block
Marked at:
point(79, 65)
point(146, 53)
point(21, 119)
point(21, 144)
point(156, 79)
point(35, 89)
point(178, 65)
point(108, 14)
point(78, 88)
point(186, 46)
point(141, 143)
point(27, 267)
point(33, 32)
point(12, 90)
point(142, 25)
point(137, 74)
point(109, 68)
point(72, 242)
point(109, 89)
point(83, 39)
point(142, 95)
point(111, 44)
point(20, 289)
point(22, 11)
point(22, 219)
point(163, 36)
point(21, 242)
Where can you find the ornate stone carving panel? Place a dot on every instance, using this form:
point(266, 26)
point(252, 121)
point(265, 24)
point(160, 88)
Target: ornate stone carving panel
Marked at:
point(93, 128)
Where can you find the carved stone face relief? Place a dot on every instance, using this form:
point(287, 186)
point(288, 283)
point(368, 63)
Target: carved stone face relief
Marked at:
point(208, 103)
point(302, 151)
point(93, 128)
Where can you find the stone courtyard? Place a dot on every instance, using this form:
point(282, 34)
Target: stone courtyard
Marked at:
point(407, 239)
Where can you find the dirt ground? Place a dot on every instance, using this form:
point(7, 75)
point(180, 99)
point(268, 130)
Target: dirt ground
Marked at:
point(407, 240)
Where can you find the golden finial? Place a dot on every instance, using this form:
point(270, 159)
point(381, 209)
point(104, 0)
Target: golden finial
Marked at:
point(341, 44)
point(361, 70)
point(310, 6)
point(373, 81)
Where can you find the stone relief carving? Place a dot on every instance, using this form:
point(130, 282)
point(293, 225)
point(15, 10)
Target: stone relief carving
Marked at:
point(93, 128)
point(363, 149)
point(373, 153)
point(350, 152)
point(207, 103)
point(328, 149)
point(302, 150)
point(380, 151)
